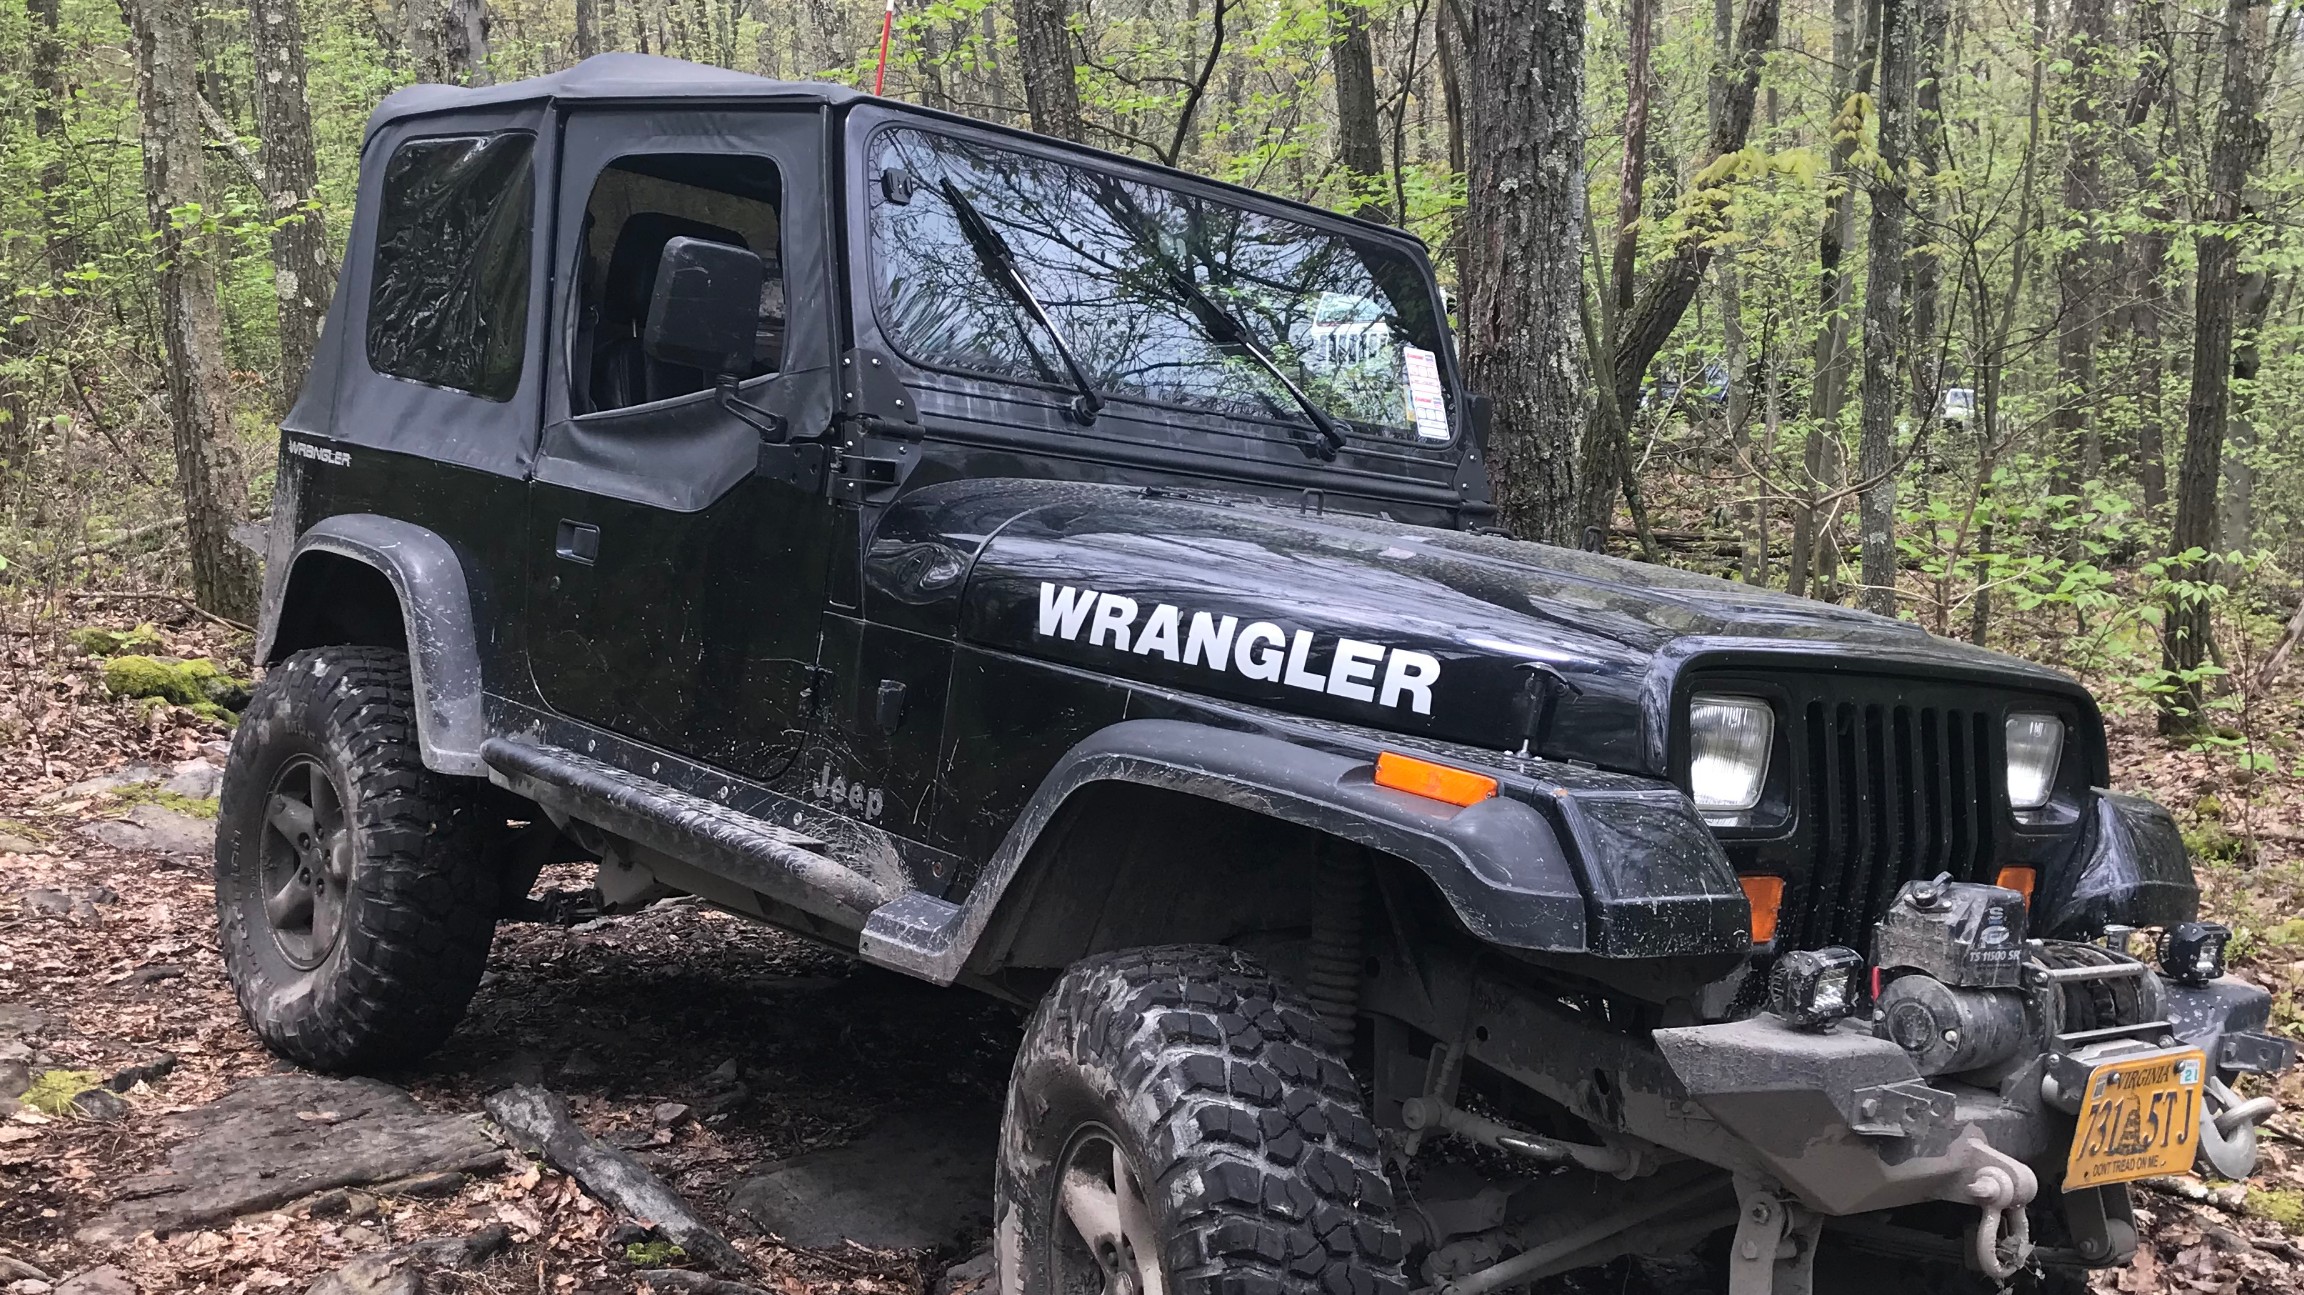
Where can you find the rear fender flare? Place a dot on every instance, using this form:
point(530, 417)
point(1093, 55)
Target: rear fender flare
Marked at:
point(436, 609)
point(1500, 865)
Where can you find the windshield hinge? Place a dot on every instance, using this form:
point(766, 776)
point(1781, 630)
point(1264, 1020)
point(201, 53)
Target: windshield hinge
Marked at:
point(871, 393)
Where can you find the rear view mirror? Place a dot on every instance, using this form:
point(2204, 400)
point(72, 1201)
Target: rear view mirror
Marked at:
point(705, 311)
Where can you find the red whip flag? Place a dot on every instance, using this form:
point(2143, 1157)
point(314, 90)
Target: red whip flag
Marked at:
point(887, 29)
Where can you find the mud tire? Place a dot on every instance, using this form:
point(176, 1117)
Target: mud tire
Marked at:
point(417, 910)
point(1243, 1123)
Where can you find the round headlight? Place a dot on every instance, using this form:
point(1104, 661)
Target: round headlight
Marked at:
point(1729, 739)
point(2035, 745)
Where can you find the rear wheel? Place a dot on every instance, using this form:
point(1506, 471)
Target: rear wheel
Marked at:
point(353, 905)
point(1178, 1123)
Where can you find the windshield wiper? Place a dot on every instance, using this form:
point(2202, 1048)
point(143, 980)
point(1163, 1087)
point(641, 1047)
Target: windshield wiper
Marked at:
point(1222, 326)
point(1000, 262)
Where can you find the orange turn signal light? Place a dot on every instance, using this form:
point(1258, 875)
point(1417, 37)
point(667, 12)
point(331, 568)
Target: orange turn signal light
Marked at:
point(2020, 880)
point(1432, 781)
point(1766, 895)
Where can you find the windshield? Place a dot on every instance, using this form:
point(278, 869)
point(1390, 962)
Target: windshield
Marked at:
point(1118, 265)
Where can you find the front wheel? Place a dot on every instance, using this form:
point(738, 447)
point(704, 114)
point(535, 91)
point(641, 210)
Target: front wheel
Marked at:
point(353, 905)
point(1178, 1124)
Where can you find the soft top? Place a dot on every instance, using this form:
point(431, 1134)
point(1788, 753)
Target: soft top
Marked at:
point(624, 77)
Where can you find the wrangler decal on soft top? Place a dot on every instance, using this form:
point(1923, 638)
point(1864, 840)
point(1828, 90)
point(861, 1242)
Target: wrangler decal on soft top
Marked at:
point(1259, 650)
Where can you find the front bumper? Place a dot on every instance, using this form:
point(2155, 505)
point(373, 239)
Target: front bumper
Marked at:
point(1847, 1123)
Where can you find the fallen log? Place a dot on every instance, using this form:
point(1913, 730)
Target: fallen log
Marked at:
point(538, 1122)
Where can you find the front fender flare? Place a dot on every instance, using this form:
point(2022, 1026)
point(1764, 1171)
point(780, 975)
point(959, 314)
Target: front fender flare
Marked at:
point(1500, 864)
point(436, 608)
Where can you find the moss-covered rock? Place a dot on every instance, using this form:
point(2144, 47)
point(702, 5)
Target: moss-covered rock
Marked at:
point(653, 1254)
point(193, 684)
point(95, 640)
point(52, 1091)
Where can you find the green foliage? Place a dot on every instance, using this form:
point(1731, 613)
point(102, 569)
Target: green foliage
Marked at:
point(52, 1091)
point(653, 1254)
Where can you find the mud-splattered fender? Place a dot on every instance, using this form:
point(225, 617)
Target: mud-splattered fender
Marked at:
point(436, 607)
point(1500, 864)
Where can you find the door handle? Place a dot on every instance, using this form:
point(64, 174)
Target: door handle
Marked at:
point(577, 542)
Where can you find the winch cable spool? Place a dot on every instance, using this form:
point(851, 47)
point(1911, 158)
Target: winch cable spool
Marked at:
point(1332, 971)
point(2099, 1004)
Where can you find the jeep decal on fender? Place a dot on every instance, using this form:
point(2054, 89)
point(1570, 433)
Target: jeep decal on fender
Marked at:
point(1259, 650)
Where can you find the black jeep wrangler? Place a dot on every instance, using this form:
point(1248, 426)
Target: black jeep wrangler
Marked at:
point(1039, 571)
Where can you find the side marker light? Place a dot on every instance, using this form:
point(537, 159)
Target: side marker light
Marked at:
point(1432, 781)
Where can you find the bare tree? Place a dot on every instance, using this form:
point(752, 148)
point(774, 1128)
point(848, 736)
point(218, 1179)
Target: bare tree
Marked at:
point(210, 473)
point(2240, 140)
point(303, 271)
point(1884, 310)
point(1524, 227)
point(1359, 137)
point(1632, 172)
point(448, 40)
point(2080, 259)
point(1699, 222)
point(1051, 87)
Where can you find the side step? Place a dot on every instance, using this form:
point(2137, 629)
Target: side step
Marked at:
point(777, 862)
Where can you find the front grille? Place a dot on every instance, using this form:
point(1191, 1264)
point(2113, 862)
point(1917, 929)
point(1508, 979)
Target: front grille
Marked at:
point(1890, 792)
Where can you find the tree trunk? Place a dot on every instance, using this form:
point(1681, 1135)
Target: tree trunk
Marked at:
point(1359, 136)
point(2238, 522)
point(1930, 343)
point(303, 272)
point(2240, 140)
point(1702, 220)
point(587, 29)
point(2079, 261)
point(1523, 229)
point(209, 470)
point(1851, 76)
point(1632, 173)
point(1449, 36)
point(1044, 45)
point(1884, 310)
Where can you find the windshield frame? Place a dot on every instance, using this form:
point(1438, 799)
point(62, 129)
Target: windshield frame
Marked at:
point(1283, 426)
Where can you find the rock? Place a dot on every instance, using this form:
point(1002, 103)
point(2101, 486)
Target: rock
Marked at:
point(724, 1075)
point(127, 775)
point(149, 1072)
point(693, 1283)
point(154, 827)
point(194, 780)
point(582, 1065)
point(98, 1281)
point(18, 1021)
point(48, 903)
point(13, 1269)
point(967, 1277)
point(185, 683)
point(15, 1075)
point(668, 1113)
point(249, 1151)
point(520, 1067)
point(371, 1275)
point(102, 1106)
point(155, 972)
point(329, 1204)
point(217, 750)
point(28, 1287)
point(423, 1185)
point(356, 1234)
point(11, 843)
point(912, 1181)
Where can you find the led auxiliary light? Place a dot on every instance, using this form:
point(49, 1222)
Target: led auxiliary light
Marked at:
point(2035, 745)
point(2192, 953)
point(1813, 988)
point(1728, 743)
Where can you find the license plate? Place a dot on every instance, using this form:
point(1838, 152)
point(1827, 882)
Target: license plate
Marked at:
point(2141, 1118)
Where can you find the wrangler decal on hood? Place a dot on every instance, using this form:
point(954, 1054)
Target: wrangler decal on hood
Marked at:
point(1259, 650)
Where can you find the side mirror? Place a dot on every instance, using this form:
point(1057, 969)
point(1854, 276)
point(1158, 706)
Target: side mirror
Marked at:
point(705, 311)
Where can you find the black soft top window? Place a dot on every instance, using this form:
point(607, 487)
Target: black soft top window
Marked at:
point(1353, 321)
point(448, 302)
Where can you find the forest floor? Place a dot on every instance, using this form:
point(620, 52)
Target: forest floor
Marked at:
point(707, 1045)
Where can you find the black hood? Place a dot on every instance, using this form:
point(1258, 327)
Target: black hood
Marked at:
point(1472, 638)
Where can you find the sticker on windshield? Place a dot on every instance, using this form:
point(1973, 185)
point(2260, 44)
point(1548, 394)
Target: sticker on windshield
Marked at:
point(1425, 404)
